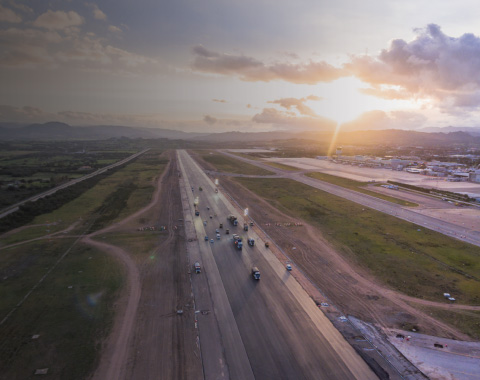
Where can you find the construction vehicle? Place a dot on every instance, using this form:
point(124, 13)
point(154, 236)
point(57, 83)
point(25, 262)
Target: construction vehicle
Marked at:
point(256, 273)
point(251, 242)
point(233, 220)
point(245, 226)
point(197, 267)
point(237, 241)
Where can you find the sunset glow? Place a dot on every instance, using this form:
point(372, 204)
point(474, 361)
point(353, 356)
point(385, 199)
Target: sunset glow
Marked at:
point(174, 66)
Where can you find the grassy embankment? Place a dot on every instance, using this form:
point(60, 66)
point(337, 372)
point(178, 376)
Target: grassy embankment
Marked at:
point(358, 186)
point(281, 166)
point(230, 165)
point(72, 321)
point(466, 321)
point(422, 264)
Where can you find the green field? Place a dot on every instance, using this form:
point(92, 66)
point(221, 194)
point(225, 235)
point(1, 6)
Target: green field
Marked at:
point(71, 310)
point(358, 186)
point(281, 166)
point(466, 321)
point(230, 165)
point(128, 189)
point(404, 256)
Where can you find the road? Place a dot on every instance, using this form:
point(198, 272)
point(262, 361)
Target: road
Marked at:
point(13, 208)
point(405, 213)
point(271, 328)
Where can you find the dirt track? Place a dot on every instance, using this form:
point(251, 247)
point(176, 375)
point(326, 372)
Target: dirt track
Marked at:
point(351, 289)
point(143, 332)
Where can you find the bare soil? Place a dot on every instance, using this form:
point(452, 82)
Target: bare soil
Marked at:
point(149, 340)
point(351, 289)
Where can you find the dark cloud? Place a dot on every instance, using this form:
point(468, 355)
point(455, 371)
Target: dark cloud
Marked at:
point(432, 65)
point(210, 120)
point(7, 15)
point(251, 69)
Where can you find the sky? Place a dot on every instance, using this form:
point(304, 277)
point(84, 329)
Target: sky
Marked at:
point(263, 65)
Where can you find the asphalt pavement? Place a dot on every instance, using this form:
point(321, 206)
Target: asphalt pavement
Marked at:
point(268, 329)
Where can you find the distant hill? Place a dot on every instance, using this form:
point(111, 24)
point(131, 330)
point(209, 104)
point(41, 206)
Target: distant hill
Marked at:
point(391, 137)
point(60, 131)
point(470, 130)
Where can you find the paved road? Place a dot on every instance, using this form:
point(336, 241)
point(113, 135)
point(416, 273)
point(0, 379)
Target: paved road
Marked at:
point(15, 207)
point(408, 214)
point(269, 329)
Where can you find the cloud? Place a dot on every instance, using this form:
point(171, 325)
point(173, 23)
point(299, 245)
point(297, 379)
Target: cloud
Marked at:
point(432, 65)
point(251, 69)
point(297, 104)
point(20, 7)
point(382, 120)
point(23, 114)
point(288, 121)
point(97, 12)
point(67, 48)
point(58, 20)
point(114, 29)
point(219, 100)
point(209, 120)
point(7, 15)
point(27, 47)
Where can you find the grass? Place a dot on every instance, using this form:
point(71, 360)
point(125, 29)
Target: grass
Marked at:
point(422, 264)
point(466, 321)
point(71, 322)
point(281, 166)
point(230, 165)
point(142, 244)
point(359, 187)
point(140, 173)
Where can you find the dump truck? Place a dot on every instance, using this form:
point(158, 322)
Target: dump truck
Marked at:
point(237, 241)
point(251, 242)
point(256, 273)
point(245, 226)
point(233, 220)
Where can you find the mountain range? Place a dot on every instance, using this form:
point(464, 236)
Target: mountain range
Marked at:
point(61, 131)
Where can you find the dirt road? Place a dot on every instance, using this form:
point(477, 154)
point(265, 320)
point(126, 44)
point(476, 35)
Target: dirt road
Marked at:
point(148, 339)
